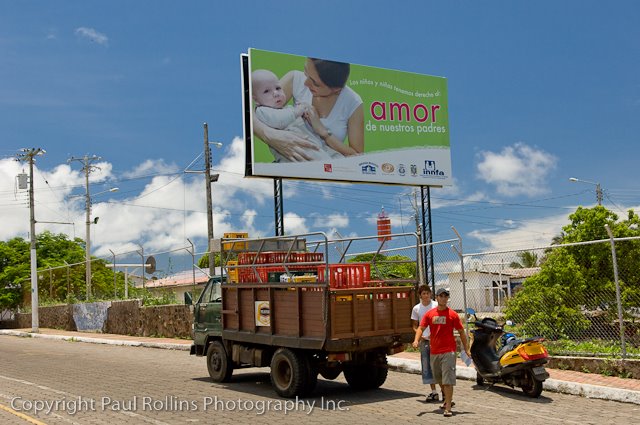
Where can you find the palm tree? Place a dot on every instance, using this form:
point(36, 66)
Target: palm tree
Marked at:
point(528, 259)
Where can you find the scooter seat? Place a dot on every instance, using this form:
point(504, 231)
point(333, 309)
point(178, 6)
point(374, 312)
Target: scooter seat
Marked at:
point(510, 346)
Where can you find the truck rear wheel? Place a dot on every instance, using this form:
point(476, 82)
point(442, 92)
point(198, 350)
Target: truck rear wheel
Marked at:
point(218, 364)
point(367, 376)
point(312, 376)
point(289, 373)
point(330, 373)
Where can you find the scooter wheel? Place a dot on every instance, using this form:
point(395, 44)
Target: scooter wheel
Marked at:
point(530, 386)
point(479, 379)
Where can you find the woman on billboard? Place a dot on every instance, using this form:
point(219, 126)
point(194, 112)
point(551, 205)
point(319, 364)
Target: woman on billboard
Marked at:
point(335, 112)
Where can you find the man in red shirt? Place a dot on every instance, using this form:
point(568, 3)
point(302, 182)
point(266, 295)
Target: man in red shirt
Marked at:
point(442, 321)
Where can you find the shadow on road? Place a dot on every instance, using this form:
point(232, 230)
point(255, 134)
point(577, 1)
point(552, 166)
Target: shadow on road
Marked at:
point(259, 384)
point(512, 393)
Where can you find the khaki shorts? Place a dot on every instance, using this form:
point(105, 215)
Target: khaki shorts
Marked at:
point(443, 367)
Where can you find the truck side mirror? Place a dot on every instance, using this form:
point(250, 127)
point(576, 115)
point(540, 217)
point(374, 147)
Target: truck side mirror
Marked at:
point(188, 299)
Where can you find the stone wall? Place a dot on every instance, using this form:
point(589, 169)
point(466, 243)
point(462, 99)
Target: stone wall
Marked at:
point(116, 317)
point(56, 317)
point(169, 321)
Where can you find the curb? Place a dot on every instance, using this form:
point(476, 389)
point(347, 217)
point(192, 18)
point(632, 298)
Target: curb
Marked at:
point(553, 385)
point(92, 340)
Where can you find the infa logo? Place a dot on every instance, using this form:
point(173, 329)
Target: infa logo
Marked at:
point(368, 167)
point(430, 170)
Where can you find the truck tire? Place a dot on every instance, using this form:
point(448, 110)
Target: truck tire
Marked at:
point(218, 363)
point(367, 376)
point(330, 373)
point(312, 376)
point(289, 373)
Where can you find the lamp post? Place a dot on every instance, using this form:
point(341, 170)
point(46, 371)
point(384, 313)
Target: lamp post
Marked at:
point(597, 185)
point(209, 178)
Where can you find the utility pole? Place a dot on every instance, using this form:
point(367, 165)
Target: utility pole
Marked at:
point(421, 270)
point(87, 167)
point(29, 155)
point(209, 178)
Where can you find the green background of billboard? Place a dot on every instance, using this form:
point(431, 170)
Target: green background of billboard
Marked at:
point(378, 140)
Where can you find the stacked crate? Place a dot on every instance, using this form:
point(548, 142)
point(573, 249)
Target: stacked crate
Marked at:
point(271, 270)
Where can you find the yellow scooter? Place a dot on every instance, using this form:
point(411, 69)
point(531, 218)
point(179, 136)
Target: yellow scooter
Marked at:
point(518, 363)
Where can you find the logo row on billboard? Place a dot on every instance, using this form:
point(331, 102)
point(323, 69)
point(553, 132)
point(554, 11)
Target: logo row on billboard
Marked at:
point(429, 169)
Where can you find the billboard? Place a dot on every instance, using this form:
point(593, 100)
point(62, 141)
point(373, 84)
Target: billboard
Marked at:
point(318, 119)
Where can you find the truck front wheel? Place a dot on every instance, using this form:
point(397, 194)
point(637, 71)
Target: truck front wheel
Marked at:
point(289, 373)
point(220, 368)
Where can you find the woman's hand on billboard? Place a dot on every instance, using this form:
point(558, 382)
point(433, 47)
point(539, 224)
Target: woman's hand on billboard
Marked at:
point(290, 145)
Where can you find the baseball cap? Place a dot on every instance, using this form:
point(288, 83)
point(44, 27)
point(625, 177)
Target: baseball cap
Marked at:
point(442, 291)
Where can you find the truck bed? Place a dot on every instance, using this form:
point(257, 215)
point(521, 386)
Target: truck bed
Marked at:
point(315, 316)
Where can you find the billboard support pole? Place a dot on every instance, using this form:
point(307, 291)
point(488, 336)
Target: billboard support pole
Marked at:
point(278, 208)
point(427, 237)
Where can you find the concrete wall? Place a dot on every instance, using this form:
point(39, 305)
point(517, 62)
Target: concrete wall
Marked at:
point(117, 317)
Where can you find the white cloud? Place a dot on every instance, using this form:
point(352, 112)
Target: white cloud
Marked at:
point(92, 35)
point(232, 180)
point(150, 166)
point(160, 215)
point(517, 170)
point(332, 221)
point(295, 225)
point(535, 233)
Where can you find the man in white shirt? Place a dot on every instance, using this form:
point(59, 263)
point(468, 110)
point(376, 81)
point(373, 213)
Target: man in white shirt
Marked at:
point(419, 310)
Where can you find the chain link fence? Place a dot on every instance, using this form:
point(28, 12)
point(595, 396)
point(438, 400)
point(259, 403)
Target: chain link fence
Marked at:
point(580, 297)
point(583, 298)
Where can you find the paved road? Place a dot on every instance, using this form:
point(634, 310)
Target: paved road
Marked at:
point(86, 383)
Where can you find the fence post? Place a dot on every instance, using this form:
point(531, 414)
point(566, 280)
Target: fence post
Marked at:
point(618, 298)
point(464, 280)
point(115, 284)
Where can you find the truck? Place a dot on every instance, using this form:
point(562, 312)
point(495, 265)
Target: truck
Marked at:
point(296, 305)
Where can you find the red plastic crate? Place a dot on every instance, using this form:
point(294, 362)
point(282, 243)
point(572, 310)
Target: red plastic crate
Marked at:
point(350, 275)
point(275, 257)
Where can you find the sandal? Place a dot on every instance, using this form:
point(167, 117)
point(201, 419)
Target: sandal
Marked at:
point(453, 403)
point(432, 397)
point(448, 414)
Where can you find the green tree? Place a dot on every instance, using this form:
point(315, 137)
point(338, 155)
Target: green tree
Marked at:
point(595, 260)
point(528, 259)
point(388, 267)
point(580, 278)
point(203, 262)
point(549, 302)
point(53, 251)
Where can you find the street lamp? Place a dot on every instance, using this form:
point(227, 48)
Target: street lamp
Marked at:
point(209, 178)
point(597, 185)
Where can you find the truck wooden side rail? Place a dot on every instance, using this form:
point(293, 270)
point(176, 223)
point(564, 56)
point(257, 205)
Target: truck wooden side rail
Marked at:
point(303, 318)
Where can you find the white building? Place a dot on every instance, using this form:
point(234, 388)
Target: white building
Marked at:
point(486, 290)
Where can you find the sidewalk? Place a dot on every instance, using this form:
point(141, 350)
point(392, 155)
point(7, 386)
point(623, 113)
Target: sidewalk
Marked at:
point(588, 385)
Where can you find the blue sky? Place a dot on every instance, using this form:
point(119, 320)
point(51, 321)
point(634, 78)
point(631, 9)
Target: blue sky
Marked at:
point(538, 92)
